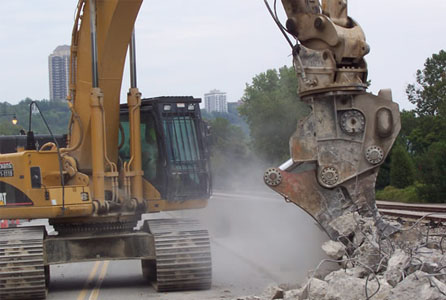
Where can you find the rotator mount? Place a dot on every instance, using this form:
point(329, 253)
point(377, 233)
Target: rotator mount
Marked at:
point(330, 56)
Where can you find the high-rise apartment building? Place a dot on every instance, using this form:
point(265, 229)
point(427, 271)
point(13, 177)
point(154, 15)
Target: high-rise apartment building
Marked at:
point(58, 67)
point(215, 101)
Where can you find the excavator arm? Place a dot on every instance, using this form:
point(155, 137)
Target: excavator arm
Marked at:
point(337, 149)
point(114, 25)
point(98, 53)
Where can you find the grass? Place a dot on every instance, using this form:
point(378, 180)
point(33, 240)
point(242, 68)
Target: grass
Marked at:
point(408, 194)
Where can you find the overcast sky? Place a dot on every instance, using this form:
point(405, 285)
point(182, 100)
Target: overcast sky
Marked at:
point(190, 47)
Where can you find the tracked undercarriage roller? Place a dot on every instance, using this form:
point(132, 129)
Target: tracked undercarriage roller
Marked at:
point(183, 256)
point(23, 274)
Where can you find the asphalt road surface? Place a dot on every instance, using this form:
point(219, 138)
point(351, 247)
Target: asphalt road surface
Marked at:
point(257, 240)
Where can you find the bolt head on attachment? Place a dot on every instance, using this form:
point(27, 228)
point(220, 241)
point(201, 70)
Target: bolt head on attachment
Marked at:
point(272, 177)
point(374, 154)
point(329, 176)
point(352, 122)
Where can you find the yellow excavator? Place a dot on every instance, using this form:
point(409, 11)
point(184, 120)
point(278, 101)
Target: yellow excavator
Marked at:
point(149, 155)
point(117, 162)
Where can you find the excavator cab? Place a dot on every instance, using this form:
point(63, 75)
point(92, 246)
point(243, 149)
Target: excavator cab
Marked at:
point(175, 159)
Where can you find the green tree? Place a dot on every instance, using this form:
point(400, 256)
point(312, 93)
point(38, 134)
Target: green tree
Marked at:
point(424, 129)
point(232, 116)
point(55, 112)
point(229, 151)
point(428, 130)
point(383, 179)
point(7, 128)
point(433, 174)
point(402, 171)
point(409, 121)
point(429, 92)
point(272, 108)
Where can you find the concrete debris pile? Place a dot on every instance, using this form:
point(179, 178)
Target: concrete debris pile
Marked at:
point(409, 264)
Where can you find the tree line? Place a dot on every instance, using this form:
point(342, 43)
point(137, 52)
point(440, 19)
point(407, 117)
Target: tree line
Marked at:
point(415, 170)
point(56, 114)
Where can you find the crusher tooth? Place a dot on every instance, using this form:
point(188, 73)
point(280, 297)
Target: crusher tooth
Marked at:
point(183, 255)
point(23, 274)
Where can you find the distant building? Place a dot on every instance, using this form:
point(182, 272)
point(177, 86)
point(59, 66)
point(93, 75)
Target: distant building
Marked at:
point(215, 101)
point(58, 67)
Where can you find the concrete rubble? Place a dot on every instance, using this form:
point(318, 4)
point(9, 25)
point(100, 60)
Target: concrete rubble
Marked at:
point(409, 264)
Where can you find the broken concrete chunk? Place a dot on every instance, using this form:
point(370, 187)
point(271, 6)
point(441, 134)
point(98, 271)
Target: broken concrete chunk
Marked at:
point(417, 286)
point(341, 286)
point(396, 267)
point(344, 287)
point(293, 294)
point(384, 288)
point(332, 275)
point(408, 238)
point(324, 269)
point(432, 259)
point(346, 224)
point(365, 230)
point(369, 254)
point(273, 293)
point(334, 249)
point(315, 289)
point(358, 272)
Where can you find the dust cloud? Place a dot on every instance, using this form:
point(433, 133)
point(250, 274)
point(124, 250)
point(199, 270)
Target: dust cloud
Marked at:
point(257, 238)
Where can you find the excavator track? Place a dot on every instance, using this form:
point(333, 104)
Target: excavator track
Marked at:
point(183, 255)
point(22, 269)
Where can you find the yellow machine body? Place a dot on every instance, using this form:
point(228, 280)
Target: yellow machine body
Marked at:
point(96, 182)
point(45, 199)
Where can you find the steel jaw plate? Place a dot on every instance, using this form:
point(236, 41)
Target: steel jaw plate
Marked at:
point(344, 141)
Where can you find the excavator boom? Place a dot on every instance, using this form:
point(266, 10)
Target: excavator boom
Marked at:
point(115, 20)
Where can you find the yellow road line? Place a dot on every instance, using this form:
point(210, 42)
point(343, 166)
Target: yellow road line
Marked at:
point(92, 274)
point(95, 293)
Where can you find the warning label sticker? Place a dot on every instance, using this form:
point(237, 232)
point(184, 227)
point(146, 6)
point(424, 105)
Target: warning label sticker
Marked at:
point(2, 199)
point(6, 169)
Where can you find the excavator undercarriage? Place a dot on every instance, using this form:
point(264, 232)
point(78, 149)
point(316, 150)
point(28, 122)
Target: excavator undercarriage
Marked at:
point(175, 254)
